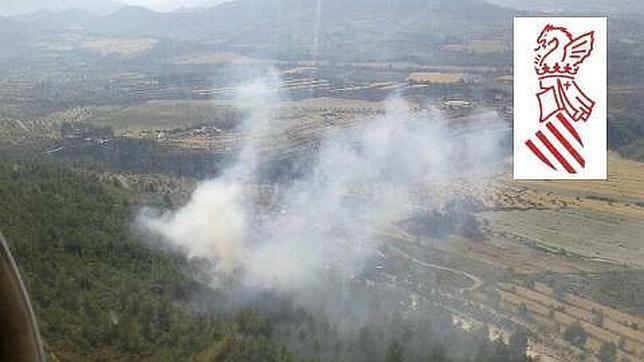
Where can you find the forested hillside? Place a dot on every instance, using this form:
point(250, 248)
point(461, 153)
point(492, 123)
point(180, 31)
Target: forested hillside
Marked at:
point(102, 294)
point(99, 294)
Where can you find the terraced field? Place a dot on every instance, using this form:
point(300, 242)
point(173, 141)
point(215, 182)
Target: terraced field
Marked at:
point(588, 233)
point(557, 313)
point(625, 183)
point(593, 220)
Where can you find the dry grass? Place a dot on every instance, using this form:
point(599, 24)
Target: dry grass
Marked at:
point(214, 58)
point(625, 181)
point(508, 78)
point(594, 235)
point(487, 46)
point(121, 47)
point(477, 47)
point(599, 220)
point(436, 78)
point(162, 115)
point(586, 304)
point(541, 301)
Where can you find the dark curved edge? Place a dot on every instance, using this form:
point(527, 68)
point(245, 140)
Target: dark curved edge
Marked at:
point(19, 336)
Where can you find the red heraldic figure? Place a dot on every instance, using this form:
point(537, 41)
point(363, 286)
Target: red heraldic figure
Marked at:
point(562, 102)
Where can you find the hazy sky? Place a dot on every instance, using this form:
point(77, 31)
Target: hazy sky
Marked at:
point(12, 7)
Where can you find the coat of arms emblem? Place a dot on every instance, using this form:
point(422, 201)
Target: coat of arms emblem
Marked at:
point(563, 104)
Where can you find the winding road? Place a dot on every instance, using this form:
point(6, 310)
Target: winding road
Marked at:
point(476, 281)
point(404, 236)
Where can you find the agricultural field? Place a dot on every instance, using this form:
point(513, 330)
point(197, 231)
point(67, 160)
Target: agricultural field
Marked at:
point(70, 41)
point(436, 78)
point(593, 220)
point(565, 246)
point(165, 116)
point(557, 311)
point(478, 47)
point(126, 48)
point(547, 255)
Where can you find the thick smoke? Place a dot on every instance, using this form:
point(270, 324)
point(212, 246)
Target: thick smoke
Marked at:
point(325, 224)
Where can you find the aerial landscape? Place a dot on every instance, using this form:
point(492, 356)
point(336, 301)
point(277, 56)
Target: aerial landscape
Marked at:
point(310, 180)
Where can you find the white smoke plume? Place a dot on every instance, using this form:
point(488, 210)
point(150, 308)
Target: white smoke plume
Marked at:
point(324, 224)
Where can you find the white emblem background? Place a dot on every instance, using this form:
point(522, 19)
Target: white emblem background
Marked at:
point(592, 80)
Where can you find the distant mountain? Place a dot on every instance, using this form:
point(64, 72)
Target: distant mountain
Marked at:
point(102, 7)
point(134, 20)
point(10, 32)
point(236, 15)
point(358, 29)
point(601, 6)
point(294, 28)
point(288, 29)
point(203, 6)
point(140, 21)
point(50, 20)
point(4, 23)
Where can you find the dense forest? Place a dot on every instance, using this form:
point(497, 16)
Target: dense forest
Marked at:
point(101, 293)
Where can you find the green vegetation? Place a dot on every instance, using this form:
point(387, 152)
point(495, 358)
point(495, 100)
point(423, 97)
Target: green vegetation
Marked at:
point(437, 353)
point(101, 294)
point(618, 289)
point(394, 352)
point(607, 352)
point(143, 156)
point(576, 335)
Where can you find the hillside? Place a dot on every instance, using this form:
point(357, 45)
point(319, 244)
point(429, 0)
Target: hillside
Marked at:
point(604, 6)
point(10, 32)
point(101, 293)
point(98, 293)
point(291, 29)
